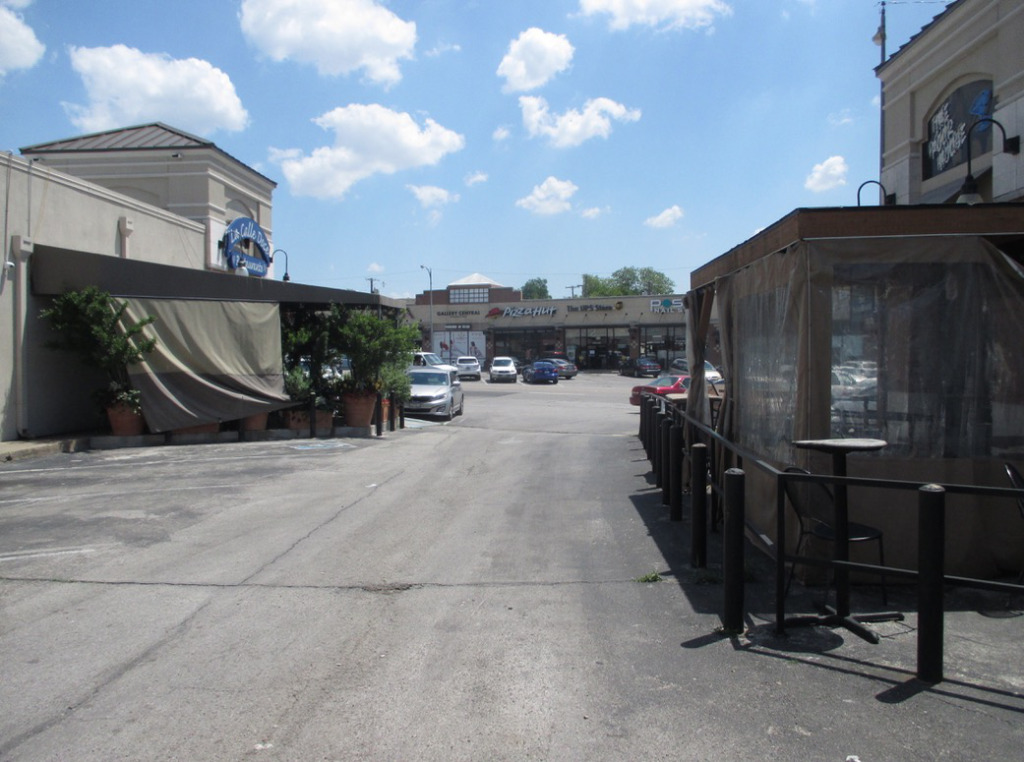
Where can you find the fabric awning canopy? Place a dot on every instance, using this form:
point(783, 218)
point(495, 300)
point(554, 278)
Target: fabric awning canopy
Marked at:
point(218, 351)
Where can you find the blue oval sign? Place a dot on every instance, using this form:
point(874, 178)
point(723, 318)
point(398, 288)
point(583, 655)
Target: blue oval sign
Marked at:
point(238, 232)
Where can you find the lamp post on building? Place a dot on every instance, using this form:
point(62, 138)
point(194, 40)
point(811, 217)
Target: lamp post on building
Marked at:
point(286, 276)
point(430, 278)
point(969, 192)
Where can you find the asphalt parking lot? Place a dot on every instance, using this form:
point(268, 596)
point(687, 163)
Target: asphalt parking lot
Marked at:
point(455, 591)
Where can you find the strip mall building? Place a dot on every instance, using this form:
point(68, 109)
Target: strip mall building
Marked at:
point(477, 316)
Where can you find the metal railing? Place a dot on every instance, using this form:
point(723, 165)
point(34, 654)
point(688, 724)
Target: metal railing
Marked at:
point(664, 426)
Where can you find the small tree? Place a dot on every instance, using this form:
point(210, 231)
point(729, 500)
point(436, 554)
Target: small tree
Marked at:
point(373, 343)
point(90, 323)
point(536, 288)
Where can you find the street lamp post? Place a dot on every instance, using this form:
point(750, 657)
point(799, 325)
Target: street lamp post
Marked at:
point(430, 278)
point(286, 277)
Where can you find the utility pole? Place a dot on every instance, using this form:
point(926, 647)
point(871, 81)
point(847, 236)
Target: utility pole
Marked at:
point(574, 289)
point(376, 291)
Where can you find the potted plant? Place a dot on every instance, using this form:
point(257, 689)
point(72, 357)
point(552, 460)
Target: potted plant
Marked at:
point(396, 386)
point(378, 349)
point(309, 341)
point(90, 323)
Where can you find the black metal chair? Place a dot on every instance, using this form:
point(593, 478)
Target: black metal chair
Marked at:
point(813, 504)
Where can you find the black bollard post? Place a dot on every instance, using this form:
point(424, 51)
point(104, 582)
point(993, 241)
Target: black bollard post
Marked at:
point(656, 448)
point(675, 472)
point(312, 417)
point(732, 551)
point(931, 562)
point(665, 459)
point(393, 404)
point(378, 415)
point(699, 506)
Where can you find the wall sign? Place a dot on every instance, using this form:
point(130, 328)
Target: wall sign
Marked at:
point(948, 125)
point(665, 306)
point(518, 312)
point(246, 245)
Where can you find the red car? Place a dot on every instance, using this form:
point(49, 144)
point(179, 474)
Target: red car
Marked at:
point(662, 386)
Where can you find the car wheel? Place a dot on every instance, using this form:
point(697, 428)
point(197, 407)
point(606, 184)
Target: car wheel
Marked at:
point(462, 407)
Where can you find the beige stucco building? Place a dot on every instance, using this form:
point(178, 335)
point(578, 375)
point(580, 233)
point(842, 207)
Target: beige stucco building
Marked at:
point(968, 64)
point(478, 316)
point(146, 213)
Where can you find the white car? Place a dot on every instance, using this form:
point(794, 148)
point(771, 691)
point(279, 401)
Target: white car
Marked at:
point(430, 360)
point(435, 392)
point(468, 367)
point(503, 369)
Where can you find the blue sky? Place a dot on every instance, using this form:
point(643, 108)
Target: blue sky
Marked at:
point(515, 138)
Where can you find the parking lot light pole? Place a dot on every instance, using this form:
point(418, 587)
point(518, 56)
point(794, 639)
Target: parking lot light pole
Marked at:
point(430, 277)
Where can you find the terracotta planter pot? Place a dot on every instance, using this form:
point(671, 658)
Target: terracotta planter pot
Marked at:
point(254, 422)
point(298, 420)
point(125, 422)
point(359, 409)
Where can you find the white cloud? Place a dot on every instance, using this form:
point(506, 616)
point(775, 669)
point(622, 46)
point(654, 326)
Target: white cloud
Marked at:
point(441, 48)
point(550, 197)
point(126, 86)
point(667, 14)
point(533, 58)
point(840, 118)
point(369, 140)
point(375, 268)
point(475, 178)
point(830, 174)
point(573, 127)
point(430, 196)
point(500, 134)
point(19, 46)
point(592, 213)
point(666, 219)
point(335, 36)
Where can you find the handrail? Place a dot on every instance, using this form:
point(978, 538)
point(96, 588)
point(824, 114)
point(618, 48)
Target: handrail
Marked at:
point(700, 433)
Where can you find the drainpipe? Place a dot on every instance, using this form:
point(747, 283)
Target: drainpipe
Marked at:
point(21, 250)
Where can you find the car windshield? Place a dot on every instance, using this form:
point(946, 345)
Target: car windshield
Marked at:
point(432, 359)
point(664, 381)
point(501, 362)
point(466, 360)
point(543, 366)
point(429, 379)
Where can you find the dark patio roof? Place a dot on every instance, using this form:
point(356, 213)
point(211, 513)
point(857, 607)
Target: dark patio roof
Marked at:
point(55, 270)
point(1003, 224)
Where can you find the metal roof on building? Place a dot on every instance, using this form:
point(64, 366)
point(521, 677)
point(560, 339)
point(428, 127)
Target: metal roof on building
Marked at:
point(476, 279)
point(156, 136)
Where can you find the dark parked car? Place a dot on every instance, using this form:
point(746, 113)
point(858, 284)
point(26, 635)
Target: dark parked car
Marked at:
point(540, 371)
point(565, 368)
point(642, 366)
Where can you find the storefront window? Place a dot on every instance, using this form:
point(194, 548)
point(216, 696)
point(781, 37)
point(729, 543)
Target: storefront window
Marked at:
point(479, 295)
point(598, 348)
point(663, 343)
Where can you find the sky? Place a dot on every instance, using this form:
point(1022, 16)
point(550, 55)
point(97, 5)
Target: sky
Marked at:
point(519, 139)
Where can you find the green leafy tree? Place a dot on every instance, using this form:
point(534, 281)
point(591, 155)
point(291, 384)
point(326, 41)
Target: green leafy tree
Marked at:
point(628, 281)
point(536, 288)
